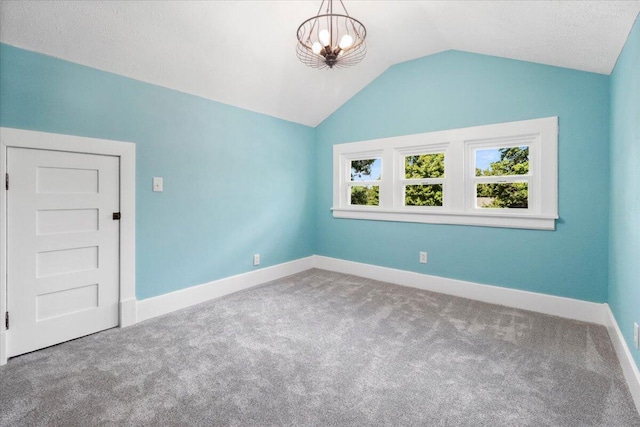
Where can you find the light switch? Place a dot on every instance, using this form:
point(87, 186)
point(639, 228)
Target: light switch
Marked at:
point(157, 183)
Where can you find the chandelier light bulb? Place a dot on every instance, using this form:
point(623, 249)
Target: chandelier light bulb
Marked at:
point(325, 37)
point(346, 42)
point(316, 48)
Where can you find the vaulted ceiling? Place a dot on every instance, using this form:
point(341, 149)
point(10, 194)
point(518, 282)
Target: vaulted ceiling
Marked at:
point(242, 53)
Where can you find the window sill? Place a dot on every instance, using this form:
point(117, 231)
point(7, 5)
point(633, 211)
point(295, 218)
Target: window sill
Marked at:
point(503, 220)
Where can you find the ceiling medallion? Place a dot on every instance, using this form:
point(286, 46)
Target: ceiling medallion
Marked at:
point(331, 38)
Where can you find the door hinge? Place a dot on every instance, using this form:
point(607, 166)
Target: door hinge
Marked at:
point(6, 320)
point(6, 181)
point(116, 216)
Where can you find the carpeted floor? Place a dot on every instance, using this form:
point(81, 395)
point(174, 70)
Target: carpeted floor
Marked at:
point(327, 349)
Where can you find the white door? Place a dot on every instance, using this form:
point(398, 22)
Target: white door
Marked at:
point(63, 246)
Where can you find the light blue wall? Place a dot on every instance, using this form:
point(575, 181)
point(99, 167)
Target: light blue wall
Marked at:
point(456, 89)
point(624, 256)
point(235, 182)
point(211, 217)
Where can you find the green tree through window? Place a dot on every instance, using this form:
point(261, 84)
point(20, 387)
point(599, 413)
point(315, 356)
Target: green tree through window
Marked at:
point(513, 161)
point(360, 168)
point(422, 166)
point(364, 195)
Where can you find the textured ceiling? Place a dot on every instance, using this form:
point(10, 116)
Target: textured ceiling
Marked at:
point(243, 52)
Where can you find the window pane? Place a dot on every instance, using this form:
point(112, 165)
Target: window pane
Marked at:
point(365, 195)
point(366, 169)
point(503, 195)
point(423, 195)
point(502, 161)
point(424, 166)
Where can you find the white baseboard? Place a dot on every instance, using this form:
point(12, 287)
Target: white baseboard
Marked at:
point(548, 304)
point(128, 312)
point(3, 348)
point(183, 298)
point(629, 368)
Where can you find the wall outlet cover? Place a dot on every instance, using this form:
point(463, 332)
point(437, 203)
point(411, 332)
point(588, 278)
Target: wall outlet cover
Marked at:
point(158, 184)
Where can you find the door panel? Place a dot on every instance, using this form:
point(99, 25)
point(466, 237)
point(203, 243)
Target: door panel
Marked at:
point(63, 246)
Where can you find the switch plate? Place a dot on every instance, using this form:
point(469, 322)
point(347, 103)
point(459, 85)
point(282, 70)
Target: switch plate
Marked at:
point(423, 257)
point(158, 184)
point(635, 334)
point(256, 259)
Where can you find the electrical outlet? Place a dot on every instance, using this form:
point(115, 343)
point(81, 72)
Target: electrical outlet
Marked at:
point(635, 335)
point(423, 257)
point(158, 184)
point(256, 259)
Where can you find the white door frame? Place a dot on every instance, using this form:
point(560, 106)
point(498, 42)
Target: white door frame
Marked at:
point(126, 151)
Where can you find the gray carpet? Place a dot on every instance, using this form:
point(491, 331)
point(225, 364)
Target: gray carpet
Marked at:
point(327, 349)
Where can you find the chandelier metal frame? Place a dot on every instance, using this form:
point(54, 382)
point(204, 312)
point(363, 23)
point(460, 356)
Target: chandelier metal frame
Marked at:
point(319, 51)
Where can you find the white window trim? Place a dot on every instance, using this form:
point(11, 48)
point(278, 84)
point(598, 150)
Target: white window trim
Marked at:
point(541, 135)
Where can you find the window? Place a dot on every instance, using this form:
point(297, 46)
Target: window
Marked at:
point(501, 178)
point(365, 182)
point(502, 175)
point(422, 178)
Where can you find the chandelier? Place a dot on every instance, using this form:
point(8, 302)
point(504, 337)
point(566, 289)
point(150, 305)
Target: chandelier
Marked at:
point(331, 38)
